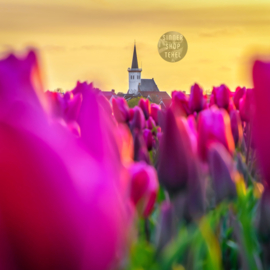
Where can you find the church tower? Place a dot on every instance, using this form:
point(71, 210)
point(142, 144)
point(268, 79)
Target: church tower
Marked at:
point(134, 74)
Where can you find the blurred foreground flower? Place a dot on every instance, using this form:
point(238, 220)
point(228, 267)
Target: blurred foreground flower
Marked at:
point(54, 189)
point(223, 171)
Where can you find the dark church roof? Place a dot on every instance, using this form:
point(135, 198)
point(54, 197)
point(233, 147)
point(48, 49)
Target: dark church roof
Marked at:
point(148, 85)
point(134, 59)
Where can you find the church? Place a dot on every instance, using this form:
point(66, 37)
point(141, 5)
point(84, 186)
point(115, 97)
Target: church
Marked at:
point(138, 87)
point(146, 88)
point(136, 83)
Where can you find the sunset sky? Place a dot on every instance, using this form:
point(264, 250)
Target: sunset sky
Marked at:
point(93, 40)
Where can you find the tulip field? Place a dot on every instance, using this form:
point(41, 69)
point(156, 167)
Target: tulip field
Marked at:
point(87, 183)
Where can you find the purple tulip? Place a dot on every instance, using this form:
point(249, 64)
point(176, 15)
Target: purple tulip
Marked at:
point(246, 106)
point(174, 156)
point(150, 123)
point(222, 96)
point(140, 148)
point(196, 99)
point(236, 126)
point(148, 138)
point(261, 81)
point(222, 171)
point(138, 120)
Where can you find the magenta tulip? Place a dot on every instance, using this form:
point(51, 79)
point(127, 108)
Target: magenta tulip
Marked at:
point(246, 106)
point(138, 120)
point(144, 187)
point(154, 112)
point(222, 96)
point(120, 110)
point(196, 99)
point(214, 125)
point(180, 104)
point(239, 93)
point(144, 104)
point(148, 138)
point(261, 80)
point(53, 186)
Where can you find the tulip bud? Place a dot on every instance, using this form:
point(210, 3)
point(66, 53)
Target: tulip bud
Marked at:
point(150, 123)
point(236, 126)
point(196, 99)
point(174, 155)
point(140, 149)
point(222, 172)
point(144, 104)
point(154, 112)
point(222, 96)
point(180, 104)
point(239, 93)
point(138, 120)
point(144, 187)
point(246, 106)
point(120, 110)
point(148, 138)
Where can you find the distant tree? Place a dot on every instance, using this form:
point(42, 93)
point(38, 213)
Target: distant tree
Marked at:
point(59, 90)
point(133, 102)
point(155, 99)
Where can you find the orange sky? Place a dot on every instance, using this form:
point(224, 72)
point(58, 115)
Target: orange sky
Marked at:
point(93, 40)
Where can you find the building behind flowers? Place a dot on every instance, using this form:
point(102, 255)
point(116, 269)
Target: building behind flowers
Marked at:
point(138, 87)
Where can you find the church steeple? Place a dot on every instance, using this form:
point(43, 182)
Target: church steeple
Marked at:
point(134, 59)
point(134, 74)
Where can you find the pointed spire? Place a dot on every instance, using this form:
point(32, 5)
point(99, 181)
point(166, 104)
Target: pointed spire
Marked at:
point(134, 59)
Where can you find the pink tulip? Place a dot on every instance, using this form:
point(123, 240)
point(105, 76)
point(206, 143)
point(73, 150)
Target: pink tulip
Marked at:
point(239, 93)
point(144, 104)
point(53, 186)
point(154, 112)
point(196, 99)
point(120, 110)
point(214, 125)
point(180, 104)
point(144, 187)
